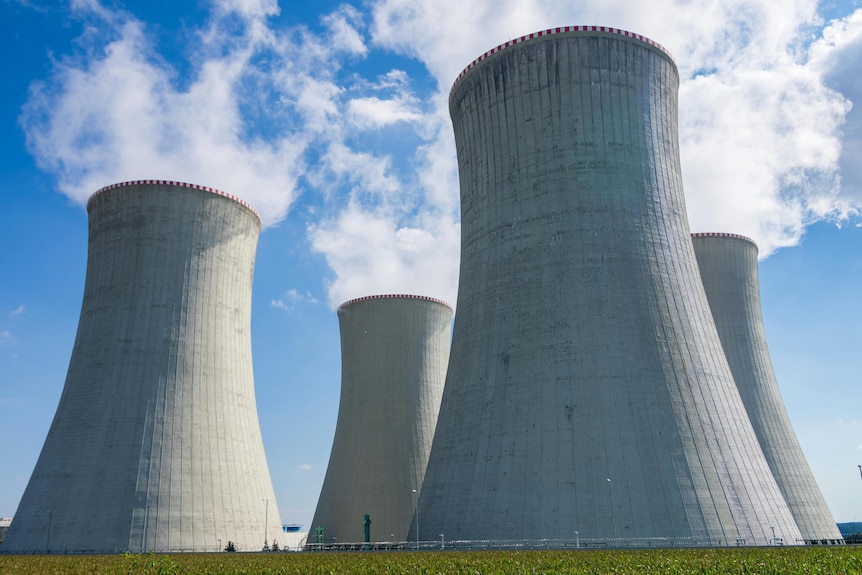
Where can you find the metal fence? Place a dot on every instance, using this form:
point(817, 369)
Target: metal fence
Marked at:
point(529, 544)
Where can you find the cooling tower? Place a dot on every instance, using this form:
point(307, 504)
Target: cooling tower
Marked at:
point(728, 268)
point(155, 444)
point(394, 352)
point(587, 390)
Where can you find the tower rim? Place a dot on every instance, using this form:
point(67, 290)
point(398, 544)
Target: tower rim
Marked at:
point(724, 235)
point(572, 30)
point(130, 183)
point(394, 296)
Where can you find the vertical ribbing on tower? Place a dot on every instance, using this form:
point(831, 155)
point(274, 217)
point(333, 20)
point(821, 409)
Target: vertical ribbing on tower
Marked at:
point(394, 353)
point(156, 444)
point(728, 268)
point(587, 388)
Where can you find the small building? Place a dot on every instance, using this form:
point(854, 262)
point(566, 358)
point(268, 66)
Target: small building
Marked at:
point(293, 537)
point(5, 522)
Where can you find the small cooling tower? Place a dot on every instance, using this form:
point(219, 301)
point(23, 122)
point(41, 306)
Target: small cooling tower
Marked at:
point(155, 444)
point(728, 268)
point(587, 389)
point(394, 352)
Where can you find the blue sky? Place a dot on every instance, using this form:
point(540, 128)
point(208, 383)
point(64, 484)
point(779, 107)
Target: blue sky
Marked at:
point(331, 118)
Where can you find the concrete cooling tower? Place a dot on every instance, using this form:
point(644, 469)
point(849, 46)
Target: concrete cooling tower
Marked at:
point(587, 390)
point(155, 444)
point(728, 268)
point(394, 352)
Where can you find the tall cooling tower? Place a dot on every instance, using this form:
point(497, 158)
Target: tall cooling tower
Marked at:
point(155, 444)
point(587, 389)
point(394, 352)
point(728, 268)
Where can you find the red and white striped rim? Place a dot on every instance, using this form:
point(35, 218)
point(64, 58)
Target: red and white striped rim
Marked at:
point(723, 235)
point(395, 296)
point(560, 30)
point(172, 183)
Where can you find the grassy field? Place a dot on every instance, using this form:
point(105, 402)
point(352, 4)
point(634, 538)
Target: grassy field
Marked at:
point(760, 561)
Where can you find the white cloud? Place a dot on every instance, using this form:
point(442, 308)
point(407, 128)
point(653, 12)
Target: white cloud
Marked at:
point(760, 126)
point(369, 176)
point(291, 298)
point(303, 297)
point(769, 140)
point(93, 7)
point(305, 467)
point(255, 9)
point(760, 152)
point(447, 34)
point(118, 112)
point(374, 113)
point(345, 25)
point(19, 310)
point(5, 334)
point(838, 56)
point(437, 164)
point(392, 79)
point(370, 253)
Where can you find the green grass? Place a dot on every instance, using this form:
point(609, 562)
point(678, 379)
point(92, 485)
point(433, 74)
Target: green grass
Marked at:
point(760, 561)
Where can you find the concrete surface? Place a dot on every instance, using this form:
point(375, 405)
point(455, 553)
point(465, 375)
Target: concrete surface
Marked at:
point(155, 444)
point(728, 268)
point(394, 350)
point(587, 389)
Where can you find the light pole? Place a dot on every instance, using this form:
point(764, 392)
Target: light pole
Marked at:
point(146, 525)
point(442, 542)
point(219, 545)
point(265, 524)
point(417, 518)
point(577, 540)
point(48, 536)
point(613, 514)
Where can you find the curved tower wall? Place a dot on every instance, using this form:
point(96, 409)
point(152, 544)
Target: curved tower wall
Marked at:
point(394, 353)
point(587, 388)
point(728, 268)
point(155, 444)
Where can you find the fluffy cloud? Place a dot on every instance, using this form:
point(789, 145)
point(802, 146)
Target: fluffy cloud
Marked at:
point(760, 153)
point(118, 111)
point(838, 56)
point(254, 9)
point(761, 110)
point(374, 113)
point(291, 298)
point(344, 26)
point(370, 253)
point(767, 127)
point(260, 109)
